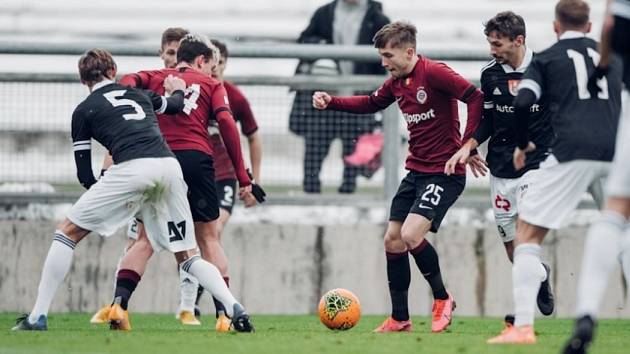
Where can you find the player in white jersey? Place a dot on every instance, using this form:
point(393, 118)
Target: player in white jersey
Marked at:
point(608, 239)
point(584, 123)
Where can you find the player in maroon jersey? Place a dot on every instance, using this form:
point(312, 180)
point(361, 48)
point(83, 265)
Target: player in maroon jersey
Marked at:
point(225, 175)
point(427, 93)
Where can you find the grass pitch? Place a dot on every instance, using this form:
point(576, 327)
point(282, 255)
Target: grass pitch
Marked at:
point(72, 333)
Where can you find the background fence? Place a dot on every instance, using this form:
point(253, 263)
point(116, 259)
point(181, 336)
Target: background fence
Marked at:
point(35, 142)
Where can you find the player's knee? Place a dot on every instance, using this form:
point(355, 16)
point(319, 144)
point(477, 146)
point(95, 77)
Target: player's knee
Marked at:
point(410, 236)
point(393, 241)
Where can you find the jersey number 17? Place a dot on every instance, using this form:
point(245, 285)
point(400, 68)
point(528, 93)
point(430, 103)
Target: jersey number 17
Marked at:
point(581, 74)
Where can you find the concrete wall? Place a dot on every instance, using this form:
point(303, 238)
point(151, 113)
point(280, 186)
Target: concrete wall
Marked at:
point(284, 269)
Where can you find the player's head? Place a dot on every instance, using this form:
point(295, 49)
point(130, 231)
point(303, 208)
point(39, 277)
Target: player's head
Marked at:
point(396, 43)
point(198, 52)
point(170, 43)
point(219, 69)
point(505, 33)
point(572, 15)
point(95, 66)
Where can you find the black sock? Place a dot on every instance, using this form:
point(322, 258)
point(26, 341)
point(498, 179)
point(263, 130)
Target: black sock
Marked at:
point(399, 278)
point(126, 282)
point(429, 265)
point(200, 290)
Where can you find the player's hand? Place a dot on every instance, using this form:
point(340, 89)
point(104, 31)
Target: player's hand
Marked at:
point(174, 83)
point(249, 200)
point(598, 74)
point(519, 155)
point(321, 99)
point(460, 157)
point(478, 166)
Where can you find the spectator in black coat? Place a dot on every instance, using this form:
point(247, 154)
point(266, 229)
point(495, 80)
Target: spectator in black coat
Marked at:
point(343, 22)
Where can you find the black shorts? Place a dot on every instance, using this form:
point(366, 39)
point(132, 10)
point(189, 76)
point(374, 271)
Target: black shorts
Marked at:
point(226, 191)
point(429, 195)
point(199, 176)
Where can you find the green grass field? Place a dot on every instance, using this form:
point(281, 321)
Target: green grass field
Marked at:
point(290, 334)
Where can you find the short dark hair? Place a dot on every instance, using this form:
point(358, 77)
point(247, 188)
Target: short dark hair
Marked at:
point(396, 34)
point(221, 46)
point(173, 34)
point(94, 65)
point(192, 46)
point(506, 24)
point(572, 14)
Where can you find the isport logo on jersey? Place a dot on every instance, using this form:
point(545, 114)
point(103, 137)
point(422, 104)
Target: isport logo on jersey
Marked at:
point(419, 117)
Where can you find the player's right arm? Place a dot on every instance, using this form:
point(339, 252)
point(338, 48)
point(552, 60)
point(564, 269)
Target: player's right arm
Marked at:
point(529, 92)
point(82, 146)
point(175, 87)
point(373, 103)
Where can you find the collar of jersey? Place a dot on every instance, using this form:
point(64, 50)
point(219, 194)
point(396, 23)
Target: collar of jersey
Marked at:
point(526, 61)
point(572, 35)
point(102, 84)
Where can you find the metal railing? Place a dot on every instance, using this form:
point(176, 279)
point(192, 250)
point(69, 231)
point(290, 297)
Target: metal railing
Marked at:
point(392, 153)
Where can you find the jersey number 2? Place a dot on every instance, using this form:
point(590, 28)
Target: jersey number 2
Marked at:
point(112, 97)
point(581, 74)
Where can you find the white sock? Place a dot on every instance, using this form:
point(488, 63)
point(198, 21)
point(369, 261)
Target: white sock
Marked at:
point(601, 251)
point(527, 274)
point(56, 267)
point(625, 253)
point(188, 289)
point(210, 278)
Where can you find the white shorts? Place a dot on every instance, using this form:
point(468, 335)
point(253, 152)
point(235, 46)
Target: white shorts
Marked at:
point(556, 189)
point(152, 189)
point(506, 195)
point(618, 184)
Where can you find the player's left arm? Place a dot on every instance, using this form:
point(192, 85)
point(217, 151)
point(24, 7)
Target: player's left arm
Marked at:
point(82, 146)
point(447, 80)
point(229, 133)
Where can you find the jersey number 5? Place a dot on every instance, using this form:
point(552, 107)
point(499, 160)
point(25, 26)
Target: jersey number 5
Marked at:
point(113, 98)
point(581, 74)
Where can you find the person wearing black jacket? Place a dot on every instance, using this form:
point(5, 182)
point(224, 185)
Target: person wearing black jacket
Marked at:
point(343, 22)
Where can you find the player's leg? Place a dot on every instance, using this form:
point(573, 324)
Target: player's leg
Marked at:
point(435, 194)
point(56, 266)
point(606, 238)
point(173, 232)
point(102, 315)
point(397, 259)
point(316, 144)
point(226, 190)
point(554, 192)
point(350, 172)
point(210, 278)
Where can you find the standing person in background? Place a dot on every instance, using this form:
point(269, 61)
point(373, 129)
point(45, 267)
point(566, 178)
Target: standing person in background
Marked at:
point(342, 22)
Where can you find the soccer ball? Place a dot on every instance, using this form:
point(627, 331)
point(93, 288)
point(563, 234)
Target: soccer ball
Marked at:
point(339, 309)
